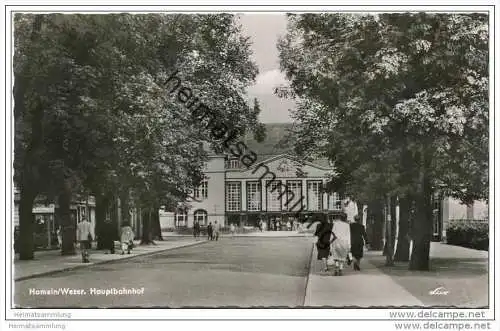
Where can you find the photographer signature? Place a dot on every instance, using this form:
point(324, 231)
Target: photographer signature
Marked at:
point(439, 291)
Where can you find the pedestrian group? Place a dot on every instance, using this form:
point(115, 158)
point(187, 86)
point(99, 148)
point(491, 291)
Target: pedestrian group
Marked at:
point(340, 242)
point(85, 236)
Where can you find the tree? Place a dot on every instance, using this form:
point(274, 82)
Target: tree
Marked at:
point(27, 132)
point(92, 113)
point(378, 91)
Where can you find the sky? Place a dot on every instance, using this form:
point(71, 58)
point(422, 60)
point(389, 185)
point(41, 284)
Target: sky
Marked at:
point(264, 31)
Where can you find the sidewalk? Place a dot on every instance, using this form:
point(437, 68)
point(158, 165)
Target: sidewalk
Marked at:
point(368, 288)
point(461, 273)
point(48, 262)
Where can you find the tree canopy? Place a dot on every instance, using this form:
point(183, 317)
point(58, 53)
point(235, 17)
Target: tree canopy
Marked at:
point(373, 89)
point(92, 112)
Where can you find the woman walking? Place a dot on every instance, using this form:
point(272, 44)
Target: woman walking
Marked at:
point(342, 245)
point(324, 234)
point(59, 237)
point(359, 239)
point(84, 235)
point(126, 238)
point(196, 230)
point(216, 231)
point(232, 229)
point(210, 231)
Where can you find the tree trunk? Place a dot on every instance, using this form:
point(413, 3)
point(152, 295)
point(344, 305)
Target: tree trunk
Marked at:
point(360, 210)
point(125, 206)
point(403, 246)
point(67, 222)
point(384, 237)
point(422, 228)
point(394, 223)
point(29, 176)
point(375, 226)
point(422, 235)
point(146, 228)
point(26, 224)
point(156, 225)
point(385, 231)
point(389, 251)
point(101, 206)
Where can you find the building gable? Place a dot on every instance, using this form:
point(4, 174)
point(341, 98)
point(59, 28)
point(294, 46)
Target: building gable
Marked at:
point(282, 166)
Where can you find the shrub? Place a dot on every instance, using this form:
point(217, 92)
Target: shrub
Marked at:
point(184, 230)
point(468, 233)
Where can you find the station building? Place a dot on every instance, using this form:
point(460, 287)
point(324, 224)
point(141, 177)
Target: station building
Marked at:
point(276, 188)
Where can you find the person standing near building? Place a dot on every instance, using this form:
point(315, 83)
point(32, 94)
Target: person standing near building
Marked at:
point(216, 230)
point(126, 238)
point(59, 237)
point(232, 229)
point(359, 239)
point(196, 229)
point(210, 231)
point(84, 236)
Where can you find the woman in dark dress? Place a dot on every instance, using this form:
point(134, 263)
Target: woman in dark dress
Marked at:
point(210, 231)
point(358, 241)
point(324, 233)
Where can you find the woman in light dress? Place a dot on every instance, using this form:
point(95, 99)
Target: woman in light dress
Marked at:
point(232, 228)
point(341, 245)
point(59, 237)
point(126, 238)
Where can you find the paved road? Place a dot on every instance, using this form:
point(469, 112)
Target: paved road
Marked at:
point(240, 272)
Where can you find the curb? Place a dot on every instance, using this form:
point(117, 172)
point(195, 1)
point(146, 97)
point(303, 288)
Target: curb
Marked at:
point(81, 266)
point(311, 256)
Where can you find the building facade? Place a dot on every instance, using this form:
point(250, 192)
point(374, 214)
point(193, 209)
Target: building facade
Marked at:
point(448, 209)
point(277, 188)
point(47, 221)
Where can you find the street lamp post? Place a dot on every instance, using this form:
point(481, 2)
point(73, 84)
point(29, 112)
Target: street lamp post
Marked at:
point(215, 211)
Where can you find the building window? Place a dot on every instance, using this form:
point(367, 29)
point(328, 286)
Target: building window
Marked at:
point(233, 196)
point(201, 192)
point(233, 164)
point(335, 202)
point(274, 190)
point(181, 218)
point(201, 217)
point(293, 195)
point(314, 201)
point(254, 196)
